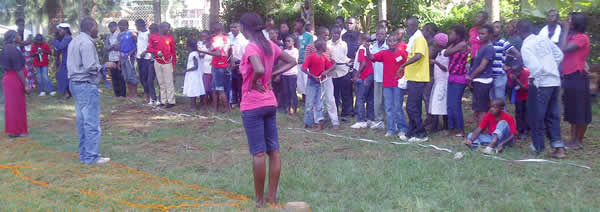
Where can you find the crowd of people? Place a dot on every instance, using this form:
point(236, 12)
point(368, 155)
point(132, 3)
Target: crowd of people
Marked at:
point(338, 70)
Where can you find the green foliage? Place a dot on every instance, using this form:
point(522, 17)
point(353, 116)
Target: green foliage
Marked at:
point(181, 36)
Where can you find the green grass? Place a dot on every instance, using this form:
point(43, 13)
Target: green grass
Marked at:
point(329, 173)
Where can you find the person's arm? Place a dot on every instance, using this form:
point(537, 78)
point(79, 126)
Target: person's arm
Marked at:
point(369, 55)
point(151, 48)
point(557, 53)
point(328, 71)
point(211, 53)
point(46, 49)
point(195, 67)
point(289, 62)
point(412, 60)
point(259, 71)
point(89, 57)
point(438, 64)
point(420, 47)
point(462, 46)
point(474, 136)
point(500, 144)
point(173, 52)
point(62, 44)
point(478, 70)
point(566, 46)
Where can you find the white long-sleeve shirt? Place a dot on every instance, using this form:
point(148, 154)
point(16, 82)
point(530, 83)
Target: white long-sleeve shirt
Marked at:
point(542, 57)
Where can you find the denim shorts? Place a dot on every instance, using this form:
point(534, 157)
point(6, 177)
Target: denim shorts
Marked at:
point(261, 129)
point(219, 78)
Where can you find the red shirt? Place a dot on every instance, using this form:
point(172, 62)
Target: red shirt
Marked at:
point(490, 122)
point(522, 93)
point(391, 63)
point(220, 43)
point(474, 41)
point(575, 61)
point(164, 44)
point(316, 64)
point(401, 46)
point(368, 70)
point(36, 60)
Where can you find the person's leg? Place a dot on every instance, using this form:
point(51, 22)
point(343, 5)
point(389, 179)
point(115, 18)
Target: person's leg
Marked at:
point(414, 109)
point(113, 73)
point(92, 124)
point(332, 109)
point(293, 96)
point(254, 126)
point(401, 123)
point(499, 87)
point(552, 121)
point(389, 99)
point(47, 83)
point(272, 141)
point(378, 101)
point(483, 139)
point(361, 91)
point(502, 132)
point(460, 122)
point(337, 92)
point(168, 77)
point(162, 83)
point(369, 94)
point(520, 117)
point(150, 80)
point(346, 95)
point(539, 132)
point(312, 98)
point(426, 97)
point(80, 103)
point(143, 72)
point(40, 82)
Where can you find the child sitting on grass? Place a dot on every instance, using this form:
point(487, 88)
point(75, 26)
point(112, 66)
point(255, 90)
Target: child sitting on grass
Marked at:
point(500, 126)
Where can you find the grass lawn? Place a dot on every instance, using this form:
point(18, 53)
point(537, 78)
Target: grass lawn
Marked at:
point(163, 160)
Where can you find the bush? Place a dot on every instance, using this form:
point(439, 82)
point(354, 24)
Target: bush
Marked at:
point(181, 36)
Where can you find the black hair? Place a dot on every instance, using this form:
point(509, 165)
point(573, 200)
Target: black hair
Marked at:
point(485, 14)
point(524, 26)
point(499, 102)
point(513, 61)
point(19, 20)
point(308, 27)
point(112, 24)
point(253, 24)
point(87, 24)
point(365, 37)
point(461, 31)
point(488, 28)
point(67, 30)
point(192, 44)
point(217, 27)
point(301, 21)
point(412, 17)
point(578, 19)
point(153, 28)
point(123, 22)
point(140, 22)
point(295, 39)
point(552, 10)
point(321, 45)
point(340, 18)
point(335, 28)
point(433, 27)
point(321, 30)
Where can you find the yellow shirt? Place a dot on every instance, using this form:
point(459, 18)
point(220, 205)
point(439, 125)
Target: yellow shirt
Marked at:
point(418, 71)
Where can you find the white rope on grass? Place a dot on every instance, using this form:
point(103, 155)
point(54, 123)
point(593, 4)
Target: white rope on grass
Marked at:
point(533, 160)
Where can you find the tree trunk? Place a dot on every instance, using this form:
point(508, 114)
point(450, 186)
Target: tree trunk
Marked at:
point(382, 9)
point(81, 13)
point(54, 9)
point(156, 8)
point(492, 7)
point(310, 6)
point(20, 12)
point(215, 8)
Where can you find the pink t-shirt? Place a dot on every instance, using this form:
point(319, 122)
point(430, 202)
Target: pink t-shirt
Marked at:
point(575, 61)
point(474, 41)
point(251, 98)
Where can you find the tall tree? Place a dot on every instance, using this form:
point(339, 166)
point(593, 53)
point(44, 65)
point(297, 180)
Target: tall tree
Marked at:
point(20, 12)
point(55, 11)
point(215, 8)
point(156, 8)
point(492, 7)
point(81, 13)
point(382, 9)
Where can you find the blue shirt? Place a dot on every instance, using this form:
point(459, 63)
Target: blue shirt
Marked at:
point(501, 47)
point(304, 40)
point(488, 53)
point(128, 44)
point(378, 66)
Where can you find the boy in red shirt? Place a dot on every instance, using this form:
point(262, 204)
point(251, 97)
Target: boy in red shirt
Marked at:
point(162, 46)
point(319, 67)
point(40, 51)
point(393, 96)
point(364, 86)
point(519, 82)
point(219, 51)
point(500, 126)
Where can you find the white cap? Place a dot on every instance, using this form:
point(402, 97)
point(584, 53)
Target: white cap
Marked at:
point(63, 25)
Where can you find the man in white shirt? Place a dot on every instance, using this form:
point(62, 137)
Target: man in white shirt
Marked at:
point(381, 45)
point(238, 45)
point(552, 30)
point(342, 78)
point(542, 58)
point(145, 63)
point(268, 26)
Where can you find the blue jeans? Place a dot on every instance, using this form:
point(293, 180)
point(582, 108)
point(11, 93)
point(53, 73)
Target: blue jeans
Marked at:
point(454, 105)
point(502, 132)
point(364, 94)
point(128, 70)
point(313, 102)
point(261, 129)
point(290, 99)
point(87, 110)
point(393, 98)
point(544, 111)
point(43, 79)
point(498, 91)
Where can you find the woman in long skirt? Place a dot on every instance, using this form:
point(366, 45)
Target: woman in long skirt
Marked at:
point(14, 86)
point(60, 45)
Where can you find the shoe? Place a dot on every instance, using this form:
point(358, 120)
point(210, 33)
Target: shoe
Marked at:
point(377, 125)
point(359, 125)
point(42, 94)
point(157, 102)
point(402, 136)
point(53, 93)
point(170, 106)
point(370, 123)
point(460, 135)
point(387, 134)
point(151, 102)
point(418, 140)
point(102, 160)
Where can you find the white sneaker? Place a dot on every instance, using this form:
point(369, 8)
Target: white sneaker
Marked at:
point(52, 93)
point(370, 123)
point(402, 136)
point(418, 140)
point(42, 94)
point(157, 102)
point(102, 160)
point(387, 134)
point(359, 125)
point(377, 125)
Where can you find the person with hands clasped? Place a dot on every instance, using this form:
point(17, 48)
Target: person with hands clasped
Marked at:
point(479, 77)
point(317, 67)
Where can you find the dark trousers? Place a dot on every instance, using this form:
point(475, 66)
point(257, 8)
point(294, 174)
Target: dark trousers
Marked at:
point(236, 86)
point(521, 116)
point(118, 82)
point(288, 96)
point(342, 92)
point(544, 111)
point(414, 107)
point(147, 76)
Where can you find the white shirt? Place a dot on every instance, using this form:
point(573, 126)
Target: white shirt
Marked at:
point(238, 45)
point(295, 54)
point(26, 34)
point(542, 57)
point(204, 62)
point(555, 37)
point(113, 38)
point(142, 44)
point(339, 52)
point(378, 66)
point(266, 33)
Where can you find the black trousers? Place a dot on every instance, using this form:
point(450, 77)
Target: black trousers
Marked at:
point(147, 76)
point(521, 116)
point(342, 92)
point(118, 82)
point(236, 85)
point(414, 107)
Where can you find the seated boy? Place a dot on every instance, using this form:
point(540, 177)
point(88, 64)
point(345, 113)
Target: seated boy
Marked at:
point(500, 126)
